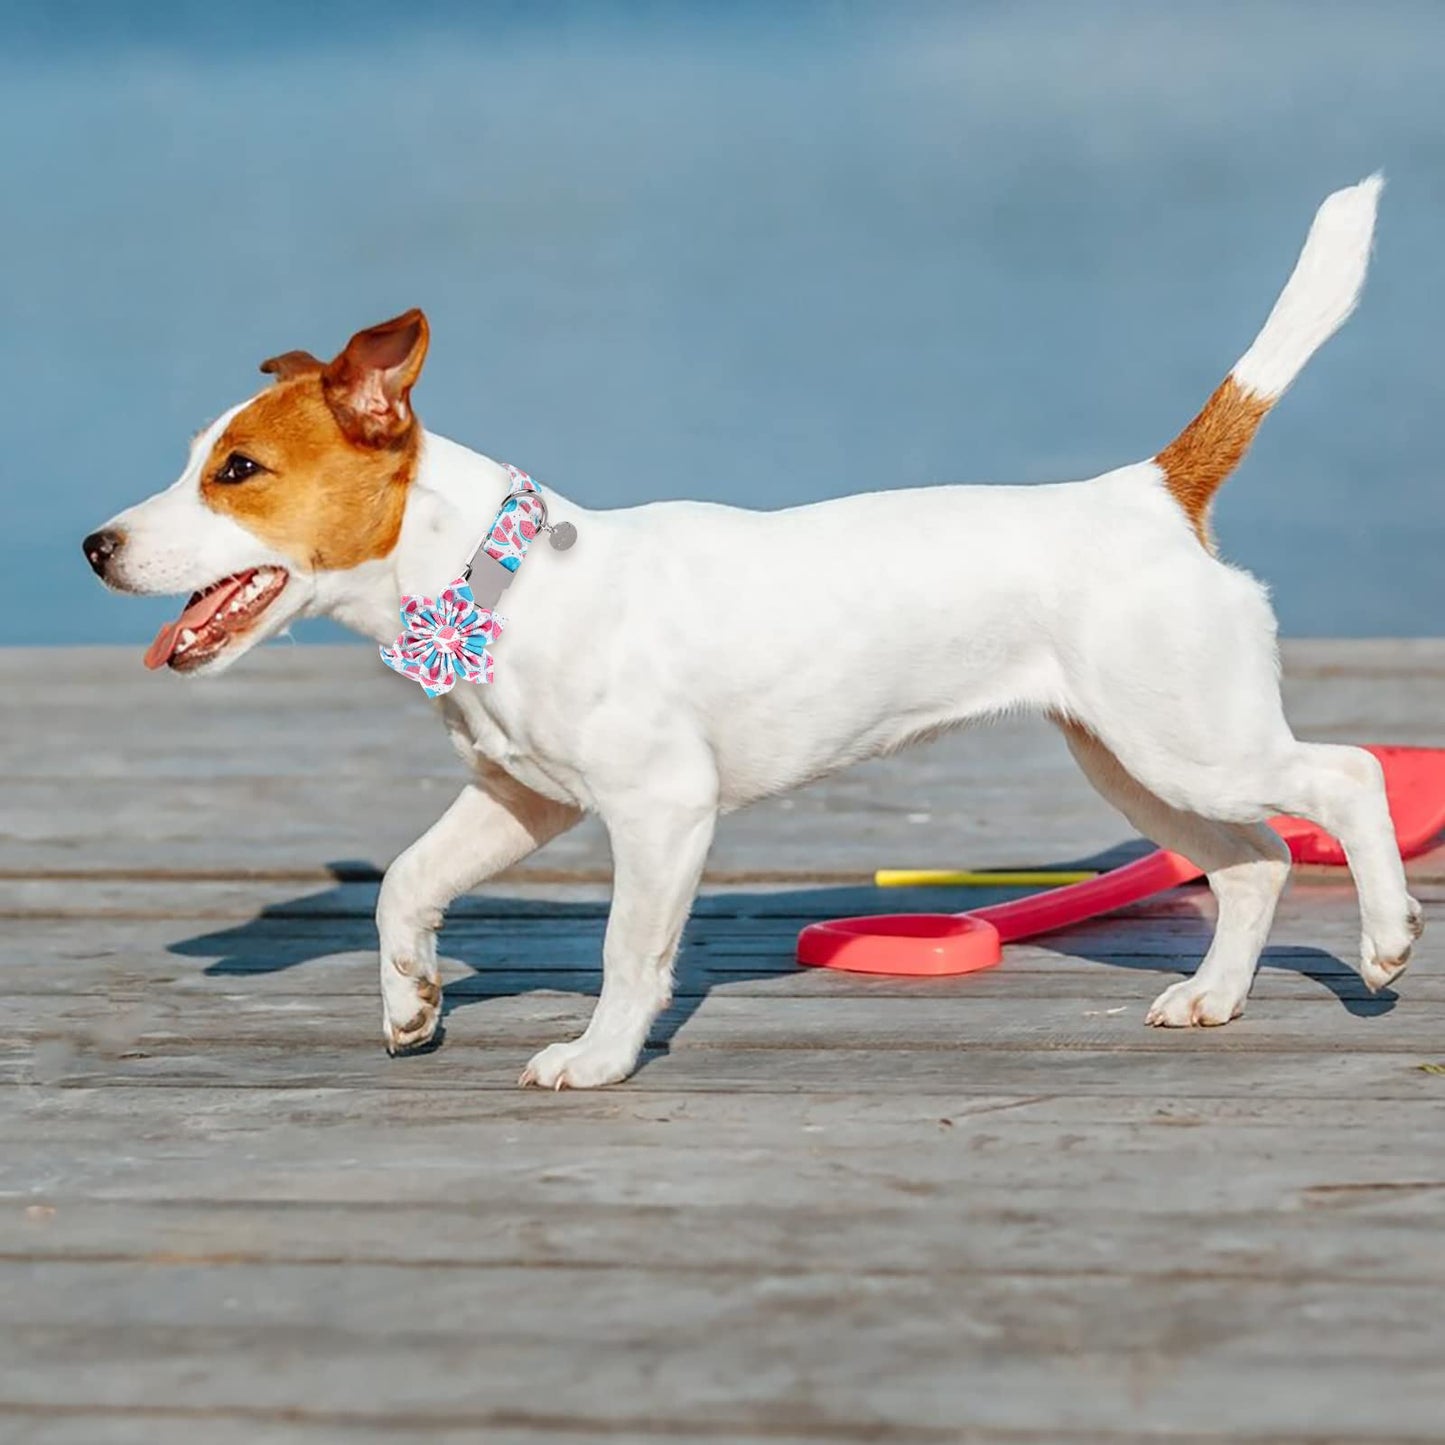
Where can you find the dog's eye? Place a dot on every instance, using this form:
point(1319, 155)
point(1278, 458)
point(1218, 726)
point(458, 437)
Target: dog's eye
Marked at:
point(237, 468)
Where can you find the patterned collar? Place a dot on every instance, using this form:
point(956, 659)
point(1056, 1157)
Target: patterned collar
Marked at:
point(448, 636)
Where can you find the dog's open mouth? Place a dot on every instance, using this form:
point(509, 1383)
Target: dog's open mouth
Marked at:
point(213, 616)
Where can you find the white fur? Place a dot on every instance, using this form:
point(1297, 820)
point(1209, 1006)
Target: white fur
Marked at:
point(685, 659)
point(1320, 294)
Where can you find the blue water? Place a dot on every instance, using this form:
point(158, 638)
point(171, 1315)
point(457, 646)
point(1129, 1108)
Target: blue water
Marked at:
point(758, 253)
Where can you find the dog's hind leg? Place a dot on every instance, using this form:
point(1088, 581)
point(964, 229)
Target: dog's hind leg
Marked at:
point(1257, 768)
point(494, 823)
point(1343, 790)
point(658, 855)
point(1247, 865)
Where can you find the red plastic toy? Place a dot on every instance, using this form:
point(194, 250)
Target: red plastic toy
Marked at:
point(931, 944)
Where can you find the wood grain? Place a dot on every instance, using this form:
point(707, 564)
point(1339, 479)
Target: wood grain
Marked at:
point(828, 1208)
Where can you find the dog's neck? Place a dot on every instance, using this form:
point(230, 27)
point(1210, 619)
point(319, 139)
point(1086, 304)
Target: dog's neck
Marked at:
point(452, 501)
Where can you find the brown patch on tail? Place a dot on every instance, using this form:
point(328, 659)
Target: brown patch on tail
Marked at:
point(1198, 460)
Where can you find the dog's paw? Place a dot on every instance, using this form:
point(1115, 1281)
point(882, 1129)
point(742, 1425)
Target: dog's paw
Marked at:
point(1193, 1003)
point(411, 1006)
point(1385, 953)
point(582, 1064)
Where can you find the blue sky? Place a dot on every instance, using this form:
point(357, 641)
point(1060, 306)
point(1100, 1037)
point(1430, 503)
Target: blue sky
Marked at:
point(756, 253)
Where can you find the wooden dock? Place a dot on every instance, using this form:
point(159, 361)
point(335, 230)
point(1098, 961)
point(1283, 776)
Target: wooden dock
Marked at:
point(828, 1208)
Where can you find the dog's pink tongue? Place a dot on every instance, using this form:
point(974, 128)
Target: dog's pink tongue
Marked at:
point(159, 652)
point(196, 615)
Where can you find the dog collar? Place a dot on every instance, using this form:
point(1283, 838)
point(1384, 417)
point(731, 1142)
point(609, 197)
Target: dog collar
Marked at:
point(448, 636)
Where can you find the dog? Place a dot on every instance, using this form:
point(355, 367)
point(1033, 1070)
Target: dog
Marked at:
point(688, 658)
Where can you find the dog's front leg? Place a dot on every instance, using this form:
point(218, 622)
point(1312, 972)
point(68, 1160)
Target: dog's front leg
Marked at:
point(494, 823)
point(657, 861)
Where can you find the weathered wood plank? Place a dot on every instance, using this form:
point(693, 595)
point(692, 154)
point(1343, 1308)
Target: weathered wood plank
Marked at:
point(584, 1345)
point(165, 1024)
point(883, 1120)
point(69, 1423)
point(1371, 1242)
point(1000, 1160)
point(73, 1424)
point(1342, 1077)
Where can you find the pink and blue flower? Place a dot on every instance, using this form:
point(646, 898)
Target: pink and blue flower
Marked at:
point(444, 638)
point(447, 636)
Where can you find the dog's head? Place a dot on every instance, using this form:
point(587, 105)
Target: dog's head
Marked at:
point(306, 480)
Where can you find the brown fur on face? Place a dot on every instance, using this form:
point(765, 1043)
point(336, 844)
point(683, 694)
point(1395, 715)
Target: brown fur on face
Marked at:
point(323, 501)
point(338, 444)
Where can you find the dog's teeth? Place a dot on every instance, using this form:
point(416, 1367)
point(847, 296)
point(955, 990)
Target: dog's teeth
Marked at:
point(187, 637)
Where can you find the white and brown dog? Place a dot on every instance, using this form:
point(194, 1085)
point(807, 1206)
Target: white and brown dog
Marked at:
point(626, 685)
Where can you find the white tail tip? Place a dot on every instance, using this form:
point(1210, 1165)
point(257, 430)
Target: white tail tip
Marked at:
point(1320, 294)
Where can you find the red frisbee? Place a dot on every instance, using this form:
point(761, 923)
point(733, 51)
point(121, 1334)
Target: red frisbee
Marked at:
point(931, 944)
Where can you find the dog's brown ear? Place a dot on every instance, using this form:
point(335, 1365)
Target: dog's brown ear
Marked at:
point(368, 387)
point(292, 363)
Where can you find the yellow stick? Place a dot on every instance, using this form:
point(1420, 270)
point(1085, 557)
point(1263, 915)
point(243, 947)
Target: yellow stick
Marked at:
point(947, 878)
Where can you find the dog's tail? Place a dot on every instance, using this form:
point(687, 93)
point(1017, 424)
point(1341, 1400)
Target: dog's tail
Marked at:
point(1316, 301)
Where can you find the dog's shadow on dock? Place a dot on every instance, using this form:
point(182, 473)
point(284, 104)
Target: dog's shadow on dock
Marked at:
point(515, 945)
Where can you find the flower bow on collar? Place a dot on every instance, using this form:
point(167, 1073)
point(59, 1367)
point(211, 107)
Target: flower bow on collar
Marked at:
point(445, 636)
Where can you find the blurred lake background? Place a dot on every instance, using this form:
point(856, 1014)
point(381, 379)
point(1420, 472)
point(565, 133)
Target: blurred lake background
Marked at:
point(761, 253)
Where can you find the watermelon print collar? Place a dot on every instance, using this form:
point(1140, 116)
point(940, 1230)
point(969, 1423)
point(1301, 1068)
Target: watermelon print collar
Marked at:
point(448, 636)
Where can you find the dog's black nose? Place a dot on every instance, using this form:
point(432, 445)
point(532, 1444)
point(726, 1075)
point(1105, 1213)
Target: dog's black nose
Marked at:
point(99, 548)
